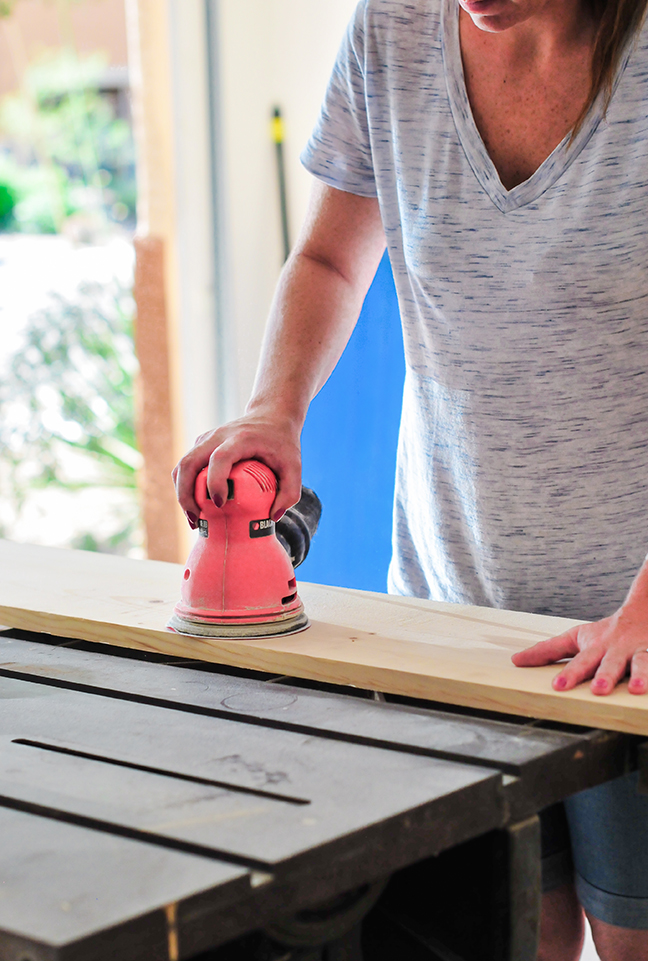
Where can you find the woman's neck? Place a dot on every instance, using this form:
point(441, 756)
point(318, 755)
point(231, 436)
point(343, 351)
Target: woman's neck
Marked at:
point(527, 84)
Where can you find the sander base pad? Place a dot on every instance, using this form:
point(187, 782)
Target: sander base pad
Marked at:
point(289, 625)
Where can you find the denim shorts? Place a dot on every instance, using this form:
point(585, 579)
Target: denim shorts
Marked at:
point(600, 840)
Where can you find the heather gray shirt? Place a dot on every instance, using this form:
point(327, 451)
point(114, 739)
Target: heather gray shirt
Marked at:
point(522, 477)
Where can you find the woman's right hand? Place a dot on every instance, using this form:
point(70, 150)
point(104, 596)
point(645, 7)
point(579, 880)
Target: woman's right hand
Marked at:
point(252, 437)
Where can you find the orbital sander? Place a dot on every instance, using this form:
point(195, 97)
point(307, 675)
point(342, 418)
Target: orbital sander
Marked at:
point(239, 580)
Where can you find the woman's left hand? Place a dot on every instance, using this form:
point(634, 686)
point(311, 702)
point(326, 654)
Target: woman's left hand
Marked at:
point(604, 651)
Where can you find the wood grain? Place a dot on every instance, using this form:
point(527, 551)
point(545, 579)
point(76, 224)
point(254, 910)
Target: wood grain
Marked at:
point(441, 652)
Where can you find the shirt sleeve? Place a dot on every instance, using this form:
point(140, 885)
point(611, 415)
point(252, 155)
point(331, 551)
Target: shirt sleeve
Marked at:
point(339, 150)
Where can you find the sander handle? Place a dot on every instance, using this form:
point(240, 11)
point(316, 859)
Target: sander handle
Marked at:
point(298, 525)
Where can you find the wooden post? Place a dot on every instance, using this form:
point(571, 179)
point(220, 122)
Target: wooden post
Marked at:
point(154, 409)
point(156, 285)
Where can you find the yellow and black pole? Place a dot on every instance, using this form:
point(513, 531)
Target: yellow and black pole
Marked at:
point(278, 136)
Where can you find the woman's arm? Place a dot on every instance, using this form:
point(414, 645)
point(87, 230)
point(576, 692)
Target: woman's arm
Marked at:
point(316, 306)
point(603, 650)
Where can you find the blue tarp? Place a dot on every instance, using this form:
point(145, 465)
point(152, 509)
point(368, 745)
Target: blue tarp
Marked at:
point(349, 448)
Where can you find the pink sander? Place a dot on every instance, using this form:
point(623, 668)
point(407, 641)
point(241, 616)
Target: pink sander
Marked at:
point(239, 580)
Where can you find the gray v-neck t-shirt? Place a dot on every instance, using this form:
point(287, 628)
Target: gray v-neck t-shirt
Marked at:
point(522, 477)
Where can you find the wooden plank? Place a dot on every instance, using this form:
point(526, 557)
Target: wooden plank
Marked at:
point(264, 797)
point(442, 652)
point(67, 892)
point(510, 747)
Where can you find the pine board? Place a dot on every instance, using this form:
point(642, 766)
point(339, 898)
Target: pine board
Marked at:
point(442, 652)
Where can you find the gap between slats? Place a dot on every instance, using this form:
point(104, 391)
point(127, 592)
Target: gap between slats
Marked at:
point(134, 766)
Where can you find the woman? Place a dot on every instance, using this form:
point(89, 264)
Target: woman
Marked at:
point(501, 148)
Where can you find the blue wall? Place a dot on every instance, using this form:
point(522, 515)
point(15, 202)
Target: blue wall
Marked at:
point(349, 448)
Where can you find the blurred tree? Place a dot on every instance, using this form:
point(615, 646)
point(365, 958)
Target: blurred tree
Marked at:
point(66, 155)
point(69, 391)
point(66, 403)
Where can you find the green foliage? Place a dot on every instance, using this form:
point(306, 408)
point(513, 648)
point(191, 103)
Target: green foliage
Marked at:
point(7, 203)
point(40, 197)
point(69, 394)
point(68, 154)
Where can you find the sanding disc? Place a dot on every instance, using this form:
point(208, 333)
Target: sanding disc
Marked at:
point(289, 625)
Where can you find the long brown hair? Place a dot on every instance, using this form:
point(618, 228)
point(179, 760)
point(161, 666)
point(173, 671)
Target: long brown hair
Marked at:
point(617, 21)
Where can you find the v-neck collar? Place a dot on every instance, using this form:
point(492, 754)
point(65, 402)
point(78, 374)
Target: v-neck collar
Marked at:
point(478, 157)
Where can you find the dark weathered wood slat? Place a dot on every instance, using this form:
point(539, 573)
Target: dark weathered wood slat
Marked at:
point(549, 764)
point(506, 745)
point(226, 750)
point(67, 892)
point(350, 787)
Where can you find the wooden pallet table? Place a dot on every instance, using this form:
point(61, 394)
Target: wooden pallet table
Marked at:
point(156, 810)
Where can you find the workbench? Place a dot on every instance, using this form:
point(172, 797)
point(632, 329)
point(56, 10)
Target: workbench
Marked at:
point(153, 807)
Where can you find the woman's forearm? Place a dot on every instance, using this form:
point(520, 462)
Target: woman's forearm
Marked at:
point(317, 303)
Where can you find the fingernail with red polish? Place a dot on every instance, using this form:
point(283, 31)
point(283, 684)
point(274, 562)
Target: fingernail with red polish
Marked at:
point(192, 519)
point(218, 500)
point(560, 683)
point(277, 517)
point(600, 685)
